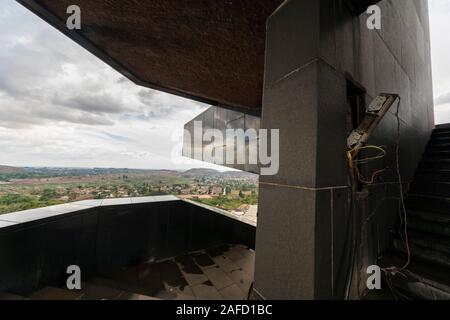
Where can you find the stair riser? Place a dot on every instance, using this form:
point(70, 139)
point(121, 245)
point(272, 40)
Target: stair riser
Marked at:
point(437, 146)
point(434, 165)
point(437, 189)
point(417, 239)
point(429, 227)
point(433, 176)
point(441, 219)
point(440, 140)
point(428, 204)
point(418, 290)
point(442, 134)
point(428, 242)
point(439, 128)
point(418, 252)
point(437, 155)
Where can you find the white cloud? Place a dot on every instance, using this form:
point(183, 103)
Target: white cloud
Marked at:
point(440, 45)
point(61, 106)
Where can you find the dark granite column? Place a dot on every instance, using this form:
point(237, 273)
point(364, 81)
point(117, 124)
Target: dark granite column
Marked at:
point(303, 210)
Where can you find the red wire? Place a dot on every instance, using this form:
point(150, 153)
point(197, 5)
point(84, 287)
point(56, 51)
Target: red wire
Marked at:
point(362, 179)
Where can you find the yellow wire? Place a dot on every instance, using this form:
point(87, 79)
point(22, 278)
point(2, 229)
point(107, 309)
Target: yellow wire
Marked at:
point(368, 147)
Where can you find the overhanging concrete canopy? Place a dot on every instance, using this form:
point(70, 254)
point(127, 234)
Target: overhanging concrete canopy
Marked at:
point(359, 6)
point(208, 50)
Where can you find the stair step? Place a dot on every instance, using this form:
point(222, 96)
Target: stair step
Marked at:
point(51, 293)
point(441, 189)
point(423, 253)
point(434, 164)
point(441, 128)
point(421, 279)
point(433, 175)
point(427, 226)
point(430, 241)
point(428, 203)
point(436, 154)
point(440, 137)
point(443, 140)
point(438, 146)
point(430, 216)
point(440, 134)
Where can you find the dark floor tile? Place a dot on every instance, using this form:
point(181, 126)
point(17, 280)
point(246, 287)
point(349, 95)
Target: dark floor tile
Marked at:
point(203, 260)
point(217, 251)
point(188, 264)
point(169, 270)
point(162, 274)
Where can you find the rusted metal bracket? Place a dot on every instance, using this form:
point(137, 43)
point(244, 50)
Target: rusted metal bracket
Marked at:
point(374, 114)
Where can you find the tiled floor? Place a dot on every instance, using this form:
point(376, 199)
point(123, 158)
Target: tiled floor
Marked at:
point(224, 272)
point(221, 273)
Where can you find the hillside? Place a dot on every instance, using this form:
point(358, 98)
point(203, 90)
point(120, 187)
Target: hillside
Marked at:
point(8, 169)
point(203, 172)
point(200, 172)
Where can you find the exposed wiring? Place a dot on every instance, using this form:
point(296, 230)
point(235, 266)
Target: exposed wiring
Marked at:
point(364, 180)
point(353, 164)
point(354, 152)
point(395, 269)
point(351, 240)
point(355, 172)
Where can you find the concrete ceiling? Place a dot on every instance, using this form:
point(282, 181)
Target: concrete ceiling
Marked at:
point(208, 50)
point(359, 6)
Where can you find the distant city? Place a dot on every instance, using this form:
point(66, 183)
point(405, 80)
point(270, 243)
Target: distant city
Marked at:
point(23, 188)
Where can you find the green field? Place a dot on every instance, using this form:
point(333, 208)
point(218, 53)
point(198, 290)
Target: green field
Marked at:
point(34, 188)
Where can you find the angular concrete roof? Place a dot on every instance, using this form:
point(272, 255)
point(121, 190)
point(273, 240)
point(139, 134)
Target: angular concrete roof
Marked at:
point(208, 50)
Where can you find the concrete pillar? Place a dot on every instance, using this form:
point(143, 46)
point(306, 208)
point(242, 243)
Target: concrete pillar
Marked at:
point(304, 209)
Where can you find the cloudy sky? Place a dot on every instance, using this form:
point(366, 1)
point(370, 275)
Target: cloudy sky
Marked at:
point(61, 106)
point(440, 52)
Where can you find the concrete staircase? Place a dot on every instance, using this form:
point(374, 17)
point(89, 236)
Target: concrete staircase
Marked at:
point(428, 217)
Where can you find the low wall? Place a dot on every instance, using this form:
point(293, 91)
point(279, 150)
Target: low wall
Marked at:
point(36, 246)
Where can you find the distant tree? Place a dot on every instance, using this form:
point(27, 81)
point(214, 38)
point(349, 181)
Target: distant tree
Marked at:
point(48, 194)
